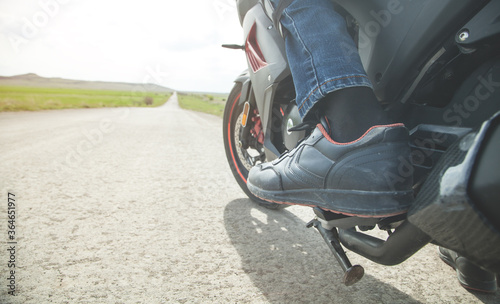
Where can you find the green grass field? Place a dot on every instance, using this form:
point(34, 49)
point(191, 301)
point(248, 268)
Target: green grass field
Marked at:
point(211, 104)
point(17, 98)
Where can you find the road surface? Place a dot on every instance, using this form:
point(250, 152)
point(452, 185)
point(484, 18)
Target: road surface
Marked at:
point(138, 205)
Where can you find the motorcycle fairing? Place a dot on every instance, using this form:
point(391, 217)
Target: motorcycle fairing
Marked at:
point(260, 32)
point(445, 210)
point(483, 28)
point(393, 56)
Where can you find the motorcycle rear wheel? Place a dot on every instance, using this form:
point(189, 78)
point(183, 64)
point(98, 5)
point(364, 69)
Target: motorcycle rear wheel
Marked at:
point(240, 161)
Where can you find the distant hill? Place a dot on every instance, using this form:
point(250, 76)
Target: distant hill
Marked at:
point(33, 80)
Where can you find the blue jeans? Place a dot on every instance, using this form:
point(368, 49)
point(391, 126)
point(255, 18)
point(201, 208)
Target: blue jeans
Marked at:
point(321, 54)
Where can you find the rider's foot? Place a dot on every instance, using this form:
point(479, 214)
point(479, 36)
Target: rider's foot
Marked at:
point(368, 177)
point(469, 275)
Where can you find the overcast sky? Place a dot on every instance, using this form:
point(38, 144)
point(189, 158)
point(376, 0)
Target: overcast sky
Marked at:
point(174, 43)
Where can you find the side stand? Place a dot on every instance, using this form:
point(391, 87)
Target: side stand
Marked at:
point(352, 274)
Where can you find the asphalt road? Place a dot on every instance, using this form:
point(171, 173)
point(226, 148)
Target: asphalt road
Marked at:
point(137, 205)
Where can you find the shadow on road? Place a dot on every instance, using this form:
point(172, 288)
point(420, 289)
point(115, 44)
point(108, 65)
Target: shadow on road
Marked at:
point(288, 263)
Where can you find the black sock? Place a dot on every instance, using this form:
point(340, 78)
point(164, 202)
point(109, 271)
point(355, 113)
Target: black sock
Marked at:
point(351, 112)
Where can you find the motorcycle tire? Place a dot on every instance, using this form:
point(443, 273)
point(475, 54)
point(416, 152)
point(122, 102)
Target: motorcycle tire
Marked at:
point(232, 111)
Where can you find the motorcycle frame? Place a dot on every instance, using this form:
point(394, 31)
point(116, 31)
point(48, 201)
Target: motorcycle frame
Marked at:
point(396, 58)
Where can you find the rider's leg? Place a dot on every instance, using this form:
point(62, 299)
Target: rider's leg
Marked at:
point(351, 112)
point(326, 68)
point(355, 169)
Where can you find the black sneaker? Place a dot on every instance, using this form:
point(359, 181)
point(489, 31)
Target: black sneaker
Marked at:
point(469, 275)
point(369, 177)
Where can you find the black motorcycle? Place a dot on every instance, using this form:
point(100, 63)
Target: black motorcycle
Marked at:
point(435, 66)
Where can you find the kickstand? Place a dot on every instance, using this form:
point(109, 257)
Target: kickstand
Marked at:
point(352, 274)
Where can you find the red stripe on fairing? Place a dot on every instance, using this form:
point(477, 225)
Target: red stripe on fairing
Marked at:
point(229, 138)
point(253, 51)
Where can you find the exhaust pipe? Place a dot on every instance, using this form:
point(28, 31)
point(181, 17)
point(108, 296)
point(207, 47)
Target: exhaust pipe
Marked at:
point(406, 240)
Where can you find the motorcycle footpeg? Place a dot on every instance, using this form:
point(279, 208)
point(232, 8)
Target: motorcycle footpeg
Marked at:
point(352, 274)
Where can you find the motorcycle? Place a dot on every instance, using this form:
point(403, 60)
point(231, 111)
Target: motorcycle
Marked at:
point(435, 66)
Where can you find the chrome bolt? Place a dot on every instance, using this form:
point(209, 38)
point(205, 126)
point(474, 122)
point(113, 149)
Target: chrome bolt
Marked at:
point(289, 125)
point(464, 35)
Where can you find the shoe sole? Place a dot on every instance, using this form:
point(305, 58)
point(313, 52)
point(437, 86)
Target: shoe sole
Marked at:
point(489, 287)
point(387, 204)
